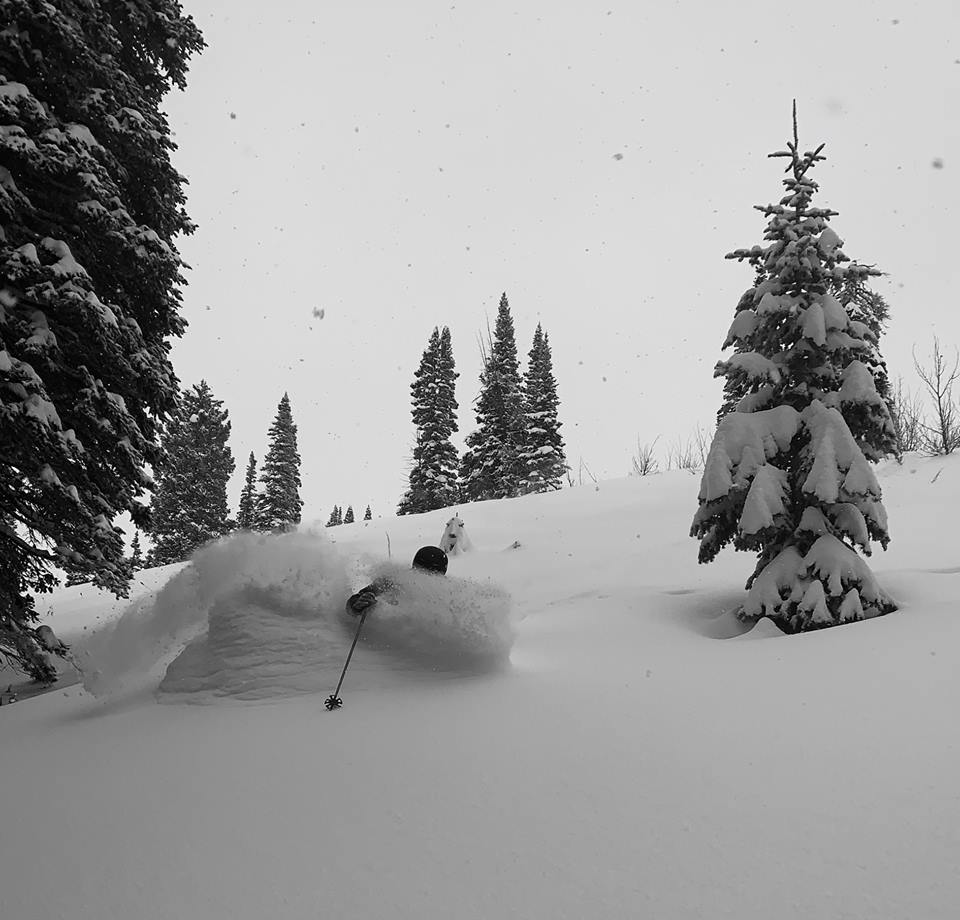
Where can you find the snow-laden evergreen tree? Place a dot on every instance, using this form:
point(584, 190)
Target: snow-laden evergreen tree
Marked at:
point(332, 520)
point(787, 475)
point(190, 505)
point(90, 207)
point(491, 466)
point(339, 519)
point(433, 476)
point(136, 553)
point(348, 517)
point(368, 514)
point(542, 454)
point(279, 504)
point(247, 511)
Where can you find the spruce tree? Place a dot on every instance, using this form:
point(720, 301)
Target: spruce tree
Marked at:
point(348, 517)
point(786, 476)
point(491, 466)
point(136, 553)
point(90, 207)
point(279, 504)
point(542, 455)
point(368, 514)
point(247, 511)
point(433, 476)
point(332, 520)
point(339, 519)
point(77, 578)
point(190, 505)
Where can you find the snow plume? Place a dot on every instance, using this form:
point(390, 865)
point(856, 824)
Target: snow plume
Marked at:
point(294, 575)
point(441, 622)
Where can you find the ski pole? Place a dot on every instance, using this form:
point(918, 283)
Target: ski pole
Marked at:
point(333, 701)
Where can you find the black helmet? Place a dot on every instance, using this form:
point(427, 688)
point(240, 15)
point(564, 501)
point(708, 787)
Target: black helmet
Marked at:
point(431, 558)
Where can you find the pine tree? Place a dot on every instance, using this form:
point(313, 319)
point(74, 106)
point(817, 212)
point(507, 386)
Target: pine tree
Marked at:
point(136, 553)
point(542, 453)
point(491, 467)
point(279, 504)
point(348, 517)
point(190, 505)
point(433, 476)
point(247, 512)
point(77, 578)
point(339, 519)
point(332, 520)
point(90, 207)
point(786, 476)
point(368, 514)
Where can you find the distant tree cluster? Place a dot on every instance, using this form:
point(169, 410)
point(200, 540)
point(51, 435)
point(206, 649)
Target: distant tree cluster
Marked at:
point(516, 447)
point(337, 516)
point(276, 504)
point(190, 505)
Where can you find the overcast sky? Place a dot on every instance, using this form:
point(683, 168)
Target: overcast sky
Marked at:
point(398, 166)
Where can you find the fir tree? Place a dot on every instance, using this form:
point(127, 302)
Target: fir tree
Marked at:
point(90, 207)
point(491, 466)
point(348, 517)
point(247, 512)
point(77, 578)
point(786, 476)
point(542, 454)
point(190, 505)
point(368, 514)
point(279, 504)
point(433, 476)
point(339, 519)
point(332, 520)
point(136, 553)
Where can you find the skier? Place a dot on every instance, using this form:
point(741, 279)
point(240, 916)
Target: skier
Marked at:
point(428, 558)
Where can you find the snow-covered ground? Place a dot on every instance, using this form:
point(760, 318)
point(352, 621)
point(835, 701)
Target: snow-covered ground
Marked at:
point(641, 756)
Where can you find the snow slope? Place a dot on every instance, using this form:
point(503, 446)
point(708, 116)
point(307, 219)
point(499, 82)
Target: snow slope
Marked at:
point(641, 757)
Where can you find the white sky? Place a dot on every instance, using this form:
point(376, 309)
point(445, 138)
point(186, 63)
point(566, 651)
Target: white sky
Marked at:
point(400, 165)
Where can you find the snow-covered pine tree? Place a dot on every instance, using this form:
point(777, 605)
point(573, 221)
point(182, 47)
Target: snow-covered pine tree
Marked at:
point(491, 467)
point(247, 511)
point(339, 519)
point(190, 504)
point(332, 520)
point(433, 476)
point(136, 553)
point(368, 514)
point(77, 578)
point(90, 207)
point(542, 455)
point(348, 517)
point(279, 504)
point(786, 476)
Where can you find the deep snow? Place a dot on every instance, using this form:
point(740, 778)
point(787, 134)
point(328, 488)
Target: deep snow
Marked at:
point(628, 763)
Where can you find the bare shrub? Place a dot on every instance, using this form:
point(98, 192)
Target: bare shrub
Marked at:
point(906, 412)
point(942, 435)
point(644, 461)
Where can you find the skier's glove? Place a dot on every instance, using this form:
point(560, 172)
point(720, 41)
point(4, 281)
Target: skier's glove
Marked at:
point(361, 601)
